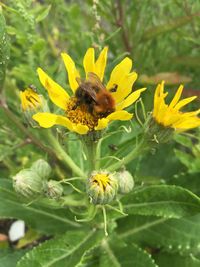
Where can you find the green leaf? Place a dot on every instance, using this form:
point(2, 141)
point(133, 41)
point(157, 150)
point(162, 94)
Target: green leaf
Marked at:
point(190, 161)
point(185, 158)
point(46, 220)
point(61, 252)
point(188, 180)
point(126, 256)
point(4, 49)
point(9, 258)
point(43, 13)
point(174, 235)
point(162, 200)
point(90, 258)
point(166, 260)
point(183, 140)
point(167, 27)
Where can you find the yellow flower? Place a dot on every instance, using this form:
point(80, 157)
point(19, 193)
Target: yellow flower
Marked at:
point(77, 116)
point(30, 100)
point(102, 187)
point(170, 115)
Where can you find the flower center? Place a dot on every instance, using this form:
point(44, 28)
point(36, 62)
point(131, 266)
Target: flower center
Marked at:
point(101, 179)
point(78, 113)
point(30, 99)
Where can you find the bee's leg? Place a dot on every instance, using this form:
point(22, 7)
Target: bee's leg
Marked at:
point(90, 108)
point(78, 103)
point(114, 88)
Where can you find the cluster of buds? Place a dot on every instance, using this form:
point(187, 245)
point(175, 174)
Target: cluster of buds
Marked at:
point(33, 182)
point(103, 186)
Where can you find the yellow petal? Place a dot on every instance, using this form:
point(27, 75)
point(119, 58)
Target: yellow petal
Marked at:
point(80, 129)
point(159, 103)
point(184, 102)
point(188, 124)
point(119, 72)
point(192, 113)
point(124, 87)
point(130, 99)
point(101, 63)
point(89, 61)
point(102, 123)
point(176, 97)
point(121, 115)
point(23, 100)
point(71, 70)
point(169, 119)
point(156, 101)
point(47, 120)
point(56, 93)
point(30, 99)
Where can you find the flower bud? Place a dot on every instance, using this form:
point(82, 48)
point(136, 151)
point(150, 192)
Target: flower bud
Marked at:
point(125, 182)
point(32, 103)
point(102, 187)
point(53, 189)
point(42, 168)
point(28, 183)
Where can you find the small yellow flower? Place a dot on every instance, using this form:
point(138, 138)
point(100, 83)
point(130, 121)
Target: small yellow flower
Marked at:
point(102, 187)
point(76, 116)
point(170, 115)
point(30, 100)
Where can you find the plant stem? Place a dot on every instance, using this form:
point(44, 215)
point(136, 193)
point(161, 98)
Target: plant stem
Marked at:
point(119, 21)
point(90, 148)
point(64, 156)
point(59, 153)
point(133, 154)
point(23, 129)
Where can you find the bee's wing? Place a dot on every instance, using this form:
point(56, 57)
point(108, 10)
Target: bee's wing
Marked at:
point(79, 80)
point(88, 90)
point(94, 79)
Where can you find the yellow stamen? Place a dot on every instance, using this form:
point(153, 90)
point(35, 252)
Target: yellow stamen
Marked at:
point(80, 114)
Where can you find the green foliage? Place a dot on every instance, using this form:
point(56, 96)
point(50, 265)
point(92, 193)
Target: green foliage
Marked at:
point(177, 260)
point(4, 49)
point(125, 256)
point(158, 222)
point(8, 258)
point(49, 220)
point(161, 200)
point(162, 234)
point(66, 250)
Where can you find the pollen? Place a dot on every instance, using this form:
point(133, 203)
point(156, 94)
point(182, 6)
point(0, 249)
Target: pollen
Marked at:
point(80, 114)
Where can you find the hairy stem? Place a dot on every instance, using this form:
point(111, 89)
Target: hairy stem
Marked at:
point(24, 130)
point(141, 147)
point(64, 156)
